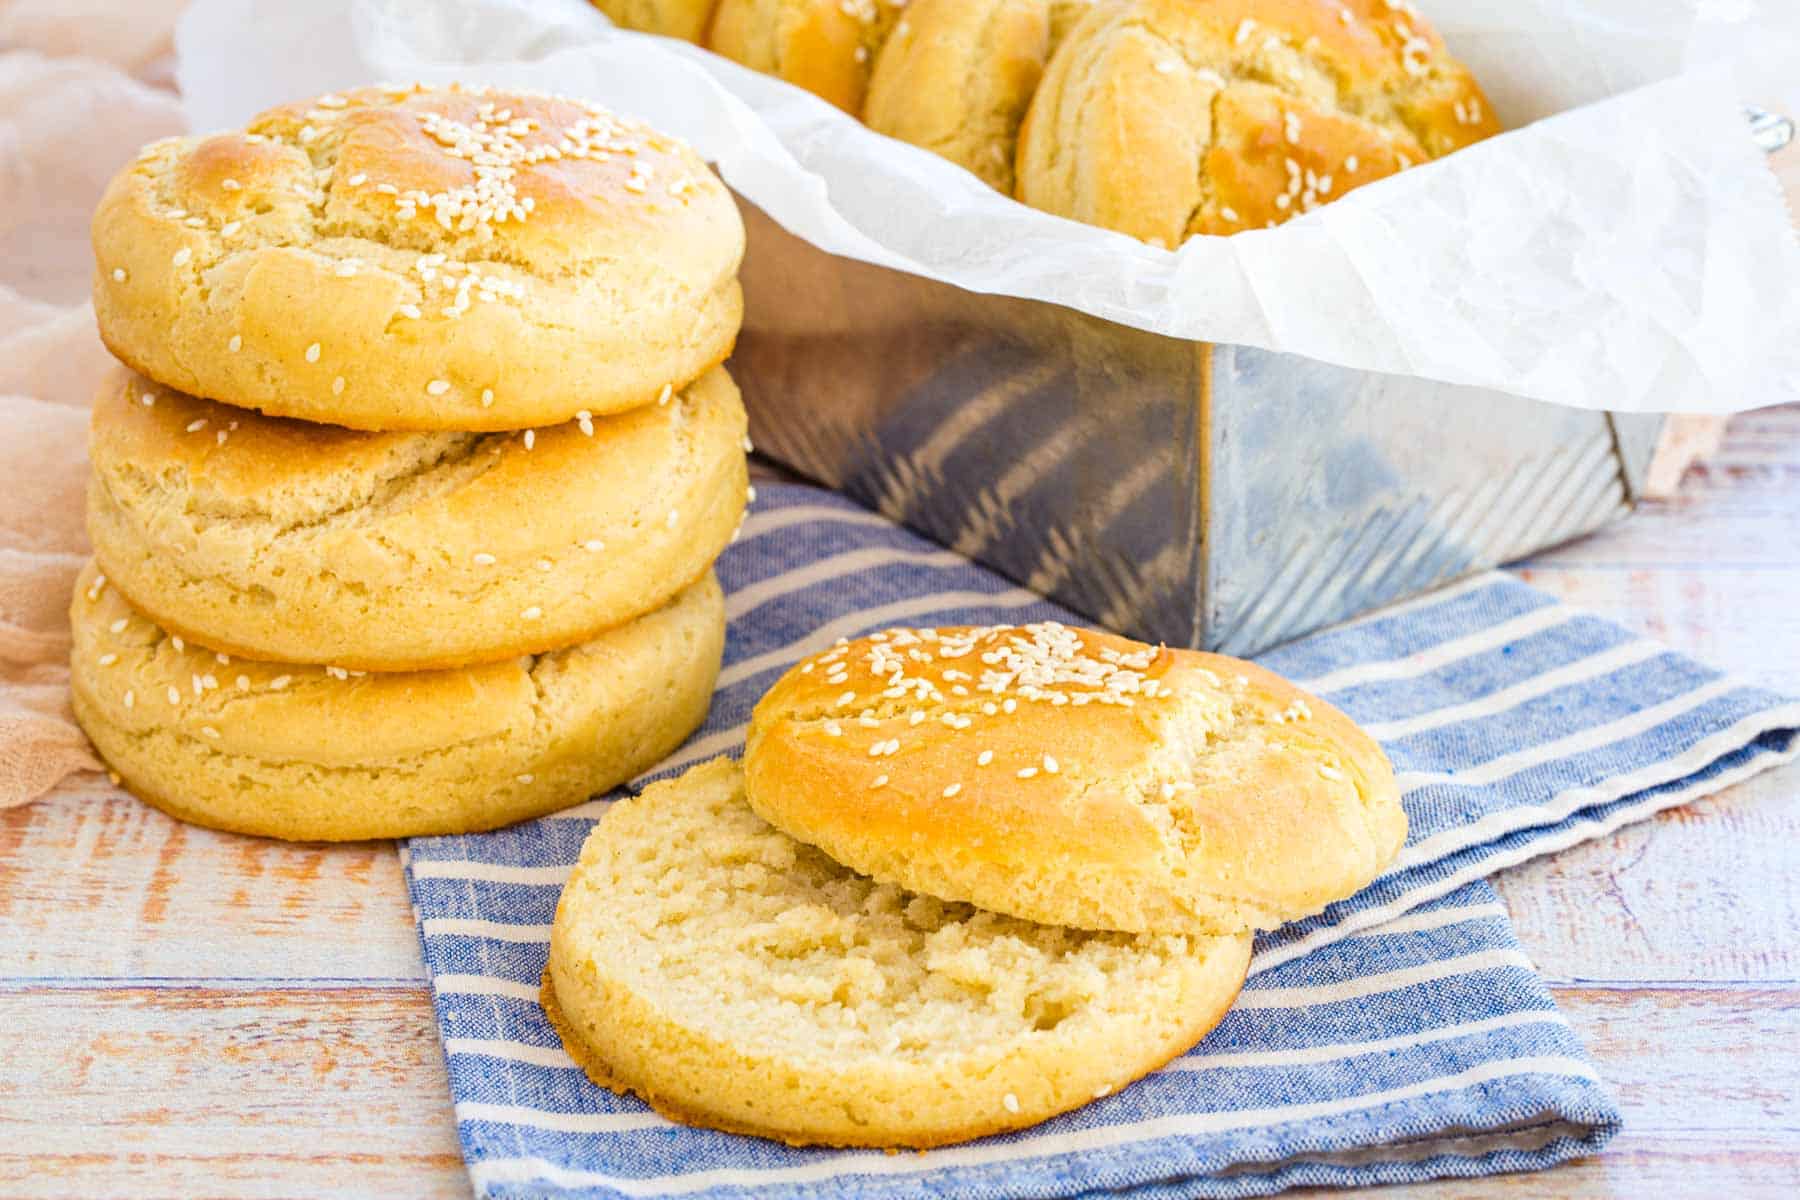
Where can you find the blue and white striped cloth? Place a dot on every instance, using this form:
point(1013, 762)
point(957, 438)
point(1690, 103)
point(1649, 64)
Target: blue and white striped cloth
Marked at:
point(1398, 1036)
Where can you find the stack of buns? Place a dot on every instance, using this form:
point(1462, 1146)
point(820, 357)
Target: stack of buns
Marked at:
point(964, 879)
point(1161, 119)
point(405, 500)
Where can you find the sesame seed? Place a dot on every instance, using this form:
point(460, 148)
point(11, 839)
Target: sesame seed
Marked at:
point(357, 180)
point(1050, 764)
point(230, 185)
point(107, 660)
point(532, 613)
point(1011, 1102)
point(230, 227)
point(280, 682)
point(437, 387)
point(485, 560)
point(235, 344)
point(880, 781)
point(1167, 65)
point(243, 683)
point(674, 516)
point(750, 494)
point(952, 790)
point(182, 256)
point(1350, 164)
point(1027, 772)
point(594, 544)
point(118, 626)
point(846, 699)
point(487, 397)
point(833, 729)
point(527, 777)
point(130, 699)
point(984, 758)
point(662, 397)
point(312, 353)
point(1104, 1089)
point(118, 274)
point(1244, 29)
point(410, 311)
point(1330, 772)
point(222, 436)
point(196, 426)
point(174, 694)
point(149, 399)
point(337, 672)
point(530, 438)
point(337, 386)
point(178, 643)
point(209, 731)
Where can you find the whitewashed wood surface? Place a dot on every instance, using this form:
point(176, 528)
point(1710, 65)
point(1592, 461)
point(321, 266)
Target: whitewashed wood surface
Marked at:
point(184, 1013)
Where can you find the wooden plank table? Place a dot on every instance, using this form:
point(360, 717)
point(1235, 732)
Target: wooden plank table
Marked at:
point(188, 1013)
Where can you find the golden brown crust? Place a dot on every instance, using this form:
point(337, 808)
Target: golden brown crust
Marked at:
point(421, 259)
point(733, 979)
point(956, 77)
point(297, 542)
point(685, 19)
point(1169, 118)
point(827, 47)
point(1171, 791)
point(317, 754)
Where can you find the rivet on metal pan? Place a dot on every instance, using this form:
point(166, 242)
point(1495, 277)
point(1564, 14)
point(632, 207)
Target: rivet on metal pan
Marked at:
point(1770, 131)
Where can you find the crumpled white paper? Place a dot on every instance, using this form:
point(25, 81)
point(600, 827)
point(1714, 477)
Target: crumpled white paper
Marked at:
point(1624, 246)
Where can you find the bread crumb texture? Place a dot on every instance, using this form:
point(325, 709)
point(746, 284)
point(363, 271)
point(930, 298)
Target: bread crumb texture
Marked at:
point(1076, 778)
point(1167, 118)
point(331, 753)
point(737, 978)
point(298, 542)
point(421, 258)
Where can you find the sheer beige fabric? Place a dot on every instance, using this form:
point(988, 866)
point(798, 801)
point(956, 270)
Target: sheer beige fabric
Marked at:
point(66, 124)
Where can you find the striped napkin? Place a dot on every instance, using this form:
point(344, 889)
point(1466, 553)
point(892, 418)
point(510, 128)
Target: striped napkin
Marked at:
point(1398, 1036)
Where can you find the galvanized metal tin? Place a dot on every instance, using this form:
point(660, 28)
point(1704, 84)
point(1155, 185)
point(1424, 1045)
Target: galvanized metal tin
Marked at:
point(1201, 495)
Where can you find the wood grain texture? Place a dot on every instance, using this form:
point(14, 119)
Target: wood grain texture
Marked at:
point(94, 885)
point(186, 1090)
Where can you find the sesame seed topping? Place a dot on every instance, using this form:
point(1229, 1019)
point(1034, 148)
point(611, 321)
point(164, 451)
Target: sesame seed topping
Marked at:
point(1330, 772)
point(222, 435)
point(182, 256)
point(180, 645)
point(107, 660)
point(833, 729)
point(118, 274)
point(1011, 1102)
point(532, 613)
point(130, 699)
point(880, 781)
point(357, 180)
point(952, 790)
point(174, 694)
point(337, 386)
point(235, 344)
point(149, 399)
point(1244, 30)
point(437, 387)
point(230, 185)
point(593, 544)
point(674, 516)
point(1050, 764)
point(118, 626)
point(527, 777)
point(1027, 772)
point(280, 682)
point(337, 672)
point(984, 758)
point(662, 397)
point(243, 683)
point(230, 227)
point(1167, 65)
point(209, 731)
point(530, 438)
point(487, 397)
point(409, 311)
point(847, 699)
point(197, 425)
point(484, 559)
